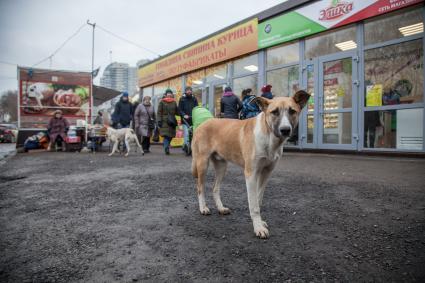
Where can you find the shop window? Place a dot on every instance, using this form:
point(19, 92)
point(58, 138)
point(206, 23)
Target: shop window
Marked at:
point(337, 128)
point(310, 128)
point(197, 93)
point(394, 74)
point(195, 78)
point(400, 129)
point(284, 81)
point(281, 55)
point(331, 42)
point(176, 86)
point(397, 25)
point(248, 64)
point(158, 92)
point(243, 83)
point(147, 91)
point(216, 73)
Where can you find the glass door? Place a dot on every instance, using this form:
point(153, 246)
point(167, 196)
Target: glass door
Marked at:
point(215, 94)
point(337, 102)
point(309, 115)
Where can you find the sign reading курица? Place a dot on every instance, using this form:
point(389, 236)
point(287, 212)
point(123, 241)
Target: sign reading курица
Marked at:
point(323, 15)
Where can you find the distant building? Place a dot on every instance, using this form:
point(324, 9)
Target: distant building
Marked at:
point(121, 77)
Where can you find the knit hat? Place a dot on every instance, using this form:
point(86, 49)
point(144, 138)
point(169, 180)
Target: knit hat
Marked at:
point(227, 89)
point(168, 90)
point(125, 94)
point(266, 88)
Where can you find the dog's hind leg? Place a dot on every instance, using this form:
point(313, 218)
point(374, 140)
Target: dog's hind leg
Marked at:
point(138, 144)
point(201, 169)
point(220, 167)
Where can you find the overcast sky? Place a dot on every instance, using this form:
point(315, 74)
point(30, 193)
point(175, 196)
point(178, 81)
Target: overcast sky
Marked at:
point(31, 30)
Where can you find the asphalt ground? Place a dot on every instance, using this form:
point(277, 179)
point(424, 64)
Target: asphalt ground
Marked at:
point(75, 217)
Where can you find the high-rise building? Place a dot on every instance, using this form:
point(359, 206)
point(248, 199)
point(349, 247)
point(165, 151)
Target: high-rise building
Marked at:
point(121, 77)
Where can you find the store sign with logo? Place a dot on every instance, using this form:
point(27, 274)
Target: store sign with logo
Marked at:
point(323, 15)
point(229, 44)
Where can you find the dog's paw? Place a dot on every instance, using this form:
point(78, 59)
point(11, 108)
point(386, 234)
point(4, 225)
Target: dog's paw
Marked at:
point(126, 154)
point(265, 224)
point(261, 230)
point(224, 211)
point(205, 211)
point(110, 154)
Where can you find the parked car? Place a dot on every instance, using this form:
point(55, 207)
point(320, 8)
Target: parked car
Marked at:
point(8, 133)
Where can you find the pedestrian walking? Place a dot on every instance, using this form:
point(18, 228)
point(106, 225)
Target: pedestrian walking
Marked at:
point(123, 113)
point(249, 107)
point(186, 104)
point(230, 104)
point(144, 122)
point(99, 118)
point(266, 92)
point(167, 111)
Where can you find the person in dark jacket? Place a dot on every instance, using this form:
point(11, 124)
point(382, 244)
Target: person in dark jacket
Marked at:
point(123, 114)
point(167, 110)
point(186, 104)
point(57, 128)
point(230, 104)
point(99, 118)
point(266, 92)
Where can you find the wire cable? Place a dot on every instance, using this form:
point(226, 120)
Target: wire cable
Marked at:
point(126, 40)
point(61, 46)
point(8, 63)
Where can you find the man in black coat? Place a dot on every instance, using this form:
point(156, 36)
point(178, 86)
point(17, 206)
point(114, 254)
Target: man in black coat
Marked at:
point(123, 114)
point(186, 104)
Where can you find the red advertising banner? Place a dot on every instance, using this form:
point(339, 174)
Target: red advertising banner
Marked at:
point(42, 92)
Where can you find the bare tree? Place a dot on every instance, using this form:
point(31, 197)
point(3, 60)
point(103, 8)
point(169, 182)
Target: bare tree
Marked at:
point(9, 104)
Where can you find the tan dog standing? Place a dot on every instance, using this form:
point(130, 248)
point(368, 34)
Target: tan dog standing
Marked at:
point(254, 144)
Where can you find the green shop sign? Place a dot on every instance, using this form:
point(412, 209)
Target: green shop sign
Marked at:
point(286, 28)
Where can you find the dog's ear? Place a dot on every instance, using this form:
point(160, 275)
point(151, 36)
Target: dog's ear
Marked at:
point(301, 97)
point(262, 102)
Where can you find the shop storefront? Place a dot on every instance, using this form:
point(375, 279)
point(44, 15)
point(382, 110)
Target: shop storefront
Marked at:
point(362, 61)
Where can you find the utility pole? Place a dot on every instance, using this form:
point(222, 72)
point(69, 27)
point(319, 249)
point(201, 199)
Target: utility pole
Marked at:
point(92, 69)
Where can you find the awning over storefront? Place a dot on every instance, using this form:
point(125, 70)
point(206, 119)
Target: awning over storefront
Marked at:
point(102, 94)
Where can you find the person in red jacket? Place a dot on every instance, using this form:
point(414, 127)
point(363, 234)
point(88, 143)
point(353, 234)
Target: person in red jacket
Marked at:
point(57, 128)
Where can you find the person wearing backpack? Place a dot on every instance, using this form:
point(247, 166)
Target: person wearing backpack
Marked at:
point(166, 115)
point(249, 106)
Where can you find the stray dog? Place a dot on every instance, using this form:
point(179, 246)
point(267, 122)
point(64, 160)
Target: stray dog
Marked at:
point(118, 135)
point(254, 144)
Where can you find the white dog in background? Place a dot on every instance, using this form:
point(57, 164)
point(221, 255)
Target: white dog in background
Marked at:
point(116, 136)
point(126, 135)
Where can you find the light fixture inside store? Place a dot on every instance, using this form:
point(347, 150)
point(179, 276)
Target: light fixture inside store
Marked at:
point(218, 76)
point(251, 68)
point(346, 45)
point(412, 29)
point(197, 82)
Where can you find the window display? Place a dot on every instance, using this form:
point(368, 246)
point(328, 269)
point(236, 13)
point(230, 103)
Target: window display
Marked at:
point(285, 54)
point(215, 73)
point(337, 128)
point(248, 64)
point(394, 74)
point(284, 81)
point(243, 83)
point(401, 129)
point(397, 25)
point(195, 78)
point(331, 42)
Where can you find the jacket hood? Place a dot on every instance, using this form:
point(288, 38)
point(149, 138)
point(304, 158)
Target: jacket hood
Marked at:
point(228, 93)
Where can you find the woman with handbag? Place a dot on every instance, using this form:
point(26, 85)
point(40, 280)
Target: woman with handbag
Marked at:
point(167, 111)
point(144, 120)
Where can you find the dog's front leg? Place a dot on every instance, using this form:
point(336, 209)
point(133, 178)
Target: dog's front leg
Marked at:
point(114, 148)
point(262, 181)
point(127, 144)
point(260, 228)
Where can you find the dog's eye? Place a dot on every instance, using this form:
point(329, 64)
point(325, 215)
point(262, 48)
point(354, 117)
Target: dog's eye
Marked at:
point(275, 112)
point(291, 111)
